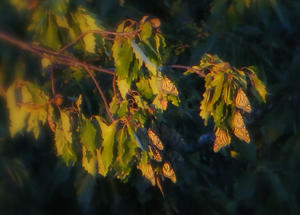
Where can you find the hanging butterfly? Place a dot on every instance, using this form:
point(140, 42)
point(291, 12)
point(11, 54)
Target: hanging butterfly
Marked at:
point(222, 139)
point(169, 87)
point(154, 153)
point(149, 174)
point(239, 128)
point(168, 172)
point(155, 139)
point(242, 102)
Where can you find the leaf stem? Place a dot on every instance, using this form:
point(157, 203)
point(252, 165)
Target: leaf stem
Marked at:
point(199, 72)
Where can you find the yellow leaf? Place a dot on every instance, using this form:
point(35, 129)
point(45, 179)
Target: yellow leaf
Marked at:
point(142, 58)
point(124, 87)
point(89, 160)
point(108, 135)
point(66, 125)
point(87, 22)
point(17, 114)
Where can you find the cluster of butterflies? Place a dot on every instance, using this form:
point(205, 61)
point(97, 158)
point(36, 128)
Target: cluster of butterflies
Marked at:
point(238, 125)
point(155, 153)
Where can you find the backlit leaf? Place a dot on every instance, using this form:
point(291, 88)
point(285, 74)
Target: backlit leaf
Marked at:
point(123, 86)
point(89, 160)
point(123, 56)
point(17, 114)
point(143, 59)
point(88, 134)
point(108, 135)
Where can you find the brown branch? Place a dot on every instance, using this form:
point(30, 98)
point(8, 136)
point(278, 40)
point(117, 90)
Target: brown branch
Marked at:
point(57, 58)
point(199, 72)
point(52, 80)
point(103, 33)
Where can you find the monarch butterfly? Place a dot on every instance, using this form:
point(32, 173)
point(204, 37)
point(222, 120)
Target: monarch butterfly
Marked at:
point(169, 87)
point(154, 153)
point(149, 174)
point(239, 128)
point(242, 102)
point(168, 172)
point(222, 139)
point(155, 139)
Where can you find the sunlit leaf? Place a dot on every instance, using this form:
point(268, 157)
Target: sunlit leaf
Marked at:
point(108, 135)
point(123, 56)
point(17, 114)
point(123, 86)
point(143, 59)
point(89, 160)
point(88, 134)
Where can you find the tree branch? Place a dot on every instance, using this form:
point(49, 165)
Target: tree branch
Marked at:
point(58, 58)
point(199, 72)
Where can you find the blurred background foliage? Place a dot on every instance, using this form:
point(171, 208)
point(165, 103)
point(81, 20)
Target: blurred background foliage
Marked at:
point(257, 178)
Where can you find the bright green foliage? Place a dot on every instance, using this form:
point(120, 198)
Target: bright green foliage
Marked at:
point(88, 134)
point(63, 139)
point(28, 107)
point(107, 148)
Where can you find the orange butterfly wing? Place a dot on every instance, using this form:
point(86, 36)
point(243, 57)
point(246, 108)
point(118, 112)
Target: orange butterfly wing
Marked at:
point(168, 172)
point(242, 101)
point(169, 87)
point(239, 128)
point(222, 139)
point(155, 139)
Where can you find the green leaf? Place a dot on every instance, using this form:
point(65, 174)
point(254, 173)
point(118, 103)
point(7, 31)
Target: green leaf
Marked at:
point(50, 37)
point(146, 32)
point(156, 83)
point(227, 92)
point(123, 110)
point(123, 86)
point(17, 114)
point(144, 88)
point(126, 152)
point(114, 105)
point(259, 86)
point(173, 99)
point(64, 147)
point(123, 56)
point(106, 156)
point(66, 125)
point(204, 110)
point(217, 83)
point(159, 42)
point(88, 134)
point(143, 59)
point(86, 22)
point(218, 114)
point(89, 160)
point(63, 139)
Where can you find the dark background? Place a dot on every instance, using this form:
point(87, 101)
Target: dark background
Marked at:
point(262, 179)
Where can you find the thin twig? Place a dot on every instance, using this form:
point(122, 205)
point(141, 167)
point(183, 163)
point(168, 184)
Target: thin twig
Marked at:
point(199, 72)
point(101, 94)
point(57, 58)
point(52, 80)
point(103, 33)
